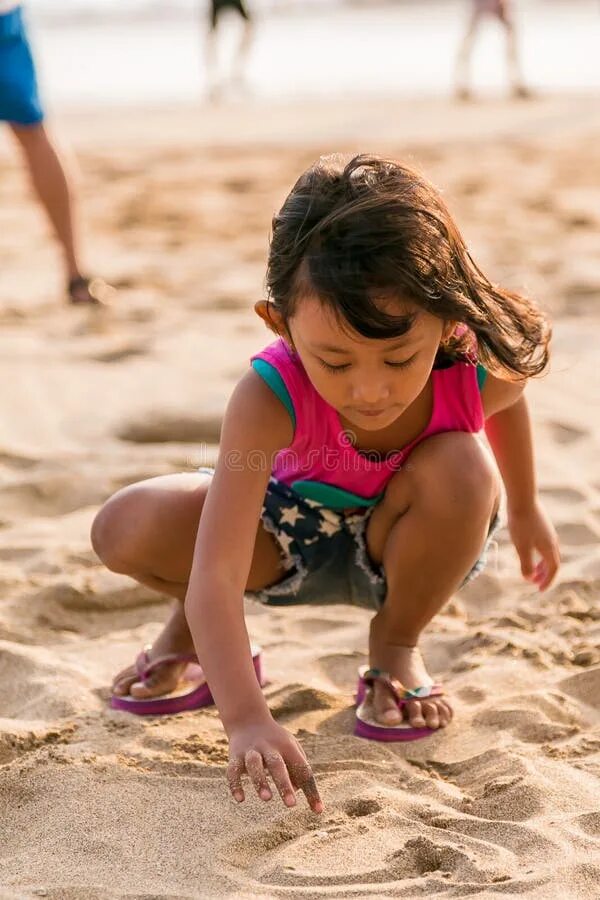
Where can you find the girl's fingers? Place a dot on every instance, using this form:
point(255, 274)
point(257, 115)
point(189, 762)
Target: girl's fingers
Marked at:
point(551, 563)
point(303, 778)
point(256, 771)
point(235, 770)
point(526, 558)
point(280, 775)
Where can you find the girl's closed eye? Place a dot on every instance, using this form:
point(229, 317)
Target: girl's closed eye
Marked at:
point(404, 364)
point(331, 368)
point(342, 367)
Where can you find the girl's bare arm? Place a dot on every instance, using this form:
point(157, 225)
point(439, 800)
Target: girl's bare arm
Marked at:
point(255, 427)
point(508, 429)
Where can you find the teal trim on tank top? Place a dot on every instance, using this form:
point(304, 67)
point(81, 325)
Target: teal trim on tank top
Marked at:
point(481, 376)
point(331, 496)
point(271, 376)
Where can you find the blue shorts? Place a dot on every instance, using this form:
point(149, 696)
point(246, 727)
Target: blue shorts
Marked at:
point(19, 97)
point(325, 555)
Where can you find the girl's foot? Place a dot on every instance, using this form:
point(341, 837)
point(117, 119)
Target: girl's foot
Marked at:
point(174, 638)
point(408, 667)
point(164, 680)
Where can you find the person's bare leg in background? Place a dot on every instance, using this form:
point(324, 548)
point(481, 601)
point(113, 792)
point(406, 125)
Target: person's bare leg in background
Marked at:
point(54, 187)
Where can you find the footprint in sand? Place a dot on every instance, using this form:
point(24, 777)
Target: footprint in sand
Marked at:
point(166, 427)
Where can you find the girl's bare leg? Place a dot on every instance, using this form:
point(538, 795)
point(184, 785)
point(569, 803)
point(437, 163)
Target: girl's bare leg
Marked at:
point(428, 532)
point(148, 531)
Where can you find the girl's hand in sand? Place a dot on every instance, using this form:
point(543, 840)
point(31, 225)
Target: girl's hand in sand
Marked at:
point(263, 749)
point(532, 531)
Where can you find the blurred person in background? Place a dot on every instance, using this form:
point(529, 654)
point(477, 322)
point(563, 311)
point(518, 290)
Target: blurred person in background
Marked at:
point(21, 109)
point(502, 11)
point(215, 12)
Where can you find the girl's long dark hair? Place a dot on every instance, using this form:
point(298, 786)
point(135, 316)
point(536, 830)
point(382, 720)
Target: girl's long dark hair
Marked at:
point(353, 232)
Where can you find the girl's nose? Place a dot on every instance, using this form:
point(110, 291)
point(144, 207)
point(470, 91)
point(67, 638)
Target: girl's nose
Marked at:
point(371, 393)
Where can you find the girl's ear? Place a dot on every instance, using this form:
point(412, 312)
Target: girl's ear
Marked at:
point(273, 320)
point(270, 316)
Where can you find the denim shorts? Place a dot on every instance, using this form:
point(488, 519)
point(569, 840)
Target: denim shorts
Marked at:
point(324, 553)
point(19, 96)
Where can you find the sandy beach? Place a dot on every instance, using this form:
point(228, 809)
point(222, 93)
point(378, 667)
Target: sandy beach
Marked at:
point(99, 804)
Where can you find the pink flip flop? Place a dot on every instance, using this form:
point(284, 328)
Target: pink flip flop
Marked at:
point(367, 727)
point(192, 691)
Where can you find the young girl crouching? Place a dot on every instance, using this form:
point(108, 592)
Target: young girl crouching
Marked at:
point(350, 467)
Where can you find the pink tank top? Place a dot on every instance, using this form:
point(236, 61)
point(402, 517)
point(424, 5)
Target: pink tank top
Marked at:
point(321, 463)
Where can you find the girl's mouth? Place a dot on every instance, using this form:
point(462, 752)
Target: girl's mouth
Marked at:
point(371, 412)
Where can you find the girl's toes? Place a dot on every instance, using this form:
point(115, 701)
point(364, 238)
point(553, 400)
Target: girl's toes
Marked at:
point(154, 686)
point(415, 714)
point(389, 717)
point(432, 718)
point(444, 712)
point(127, 676)
point(385, 708)
point(142, 689)
point(121, 687)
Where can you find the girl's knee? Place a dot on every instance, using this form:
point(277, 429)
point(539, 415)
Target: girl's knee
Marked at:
point(116, 530)
point(452, 469)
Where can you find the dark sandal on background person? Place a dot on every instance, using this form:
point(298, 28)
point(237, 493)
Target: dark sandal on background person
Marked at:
point(366, 724)
point(83, 291)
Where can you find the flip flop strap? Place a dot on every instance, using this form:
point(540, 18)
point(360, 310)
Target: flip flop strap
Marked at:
point(400, 693)
point(146, 667)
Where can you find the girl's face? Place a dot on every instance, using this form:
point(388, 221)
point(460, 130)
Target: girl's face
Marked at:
point(369, 381)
